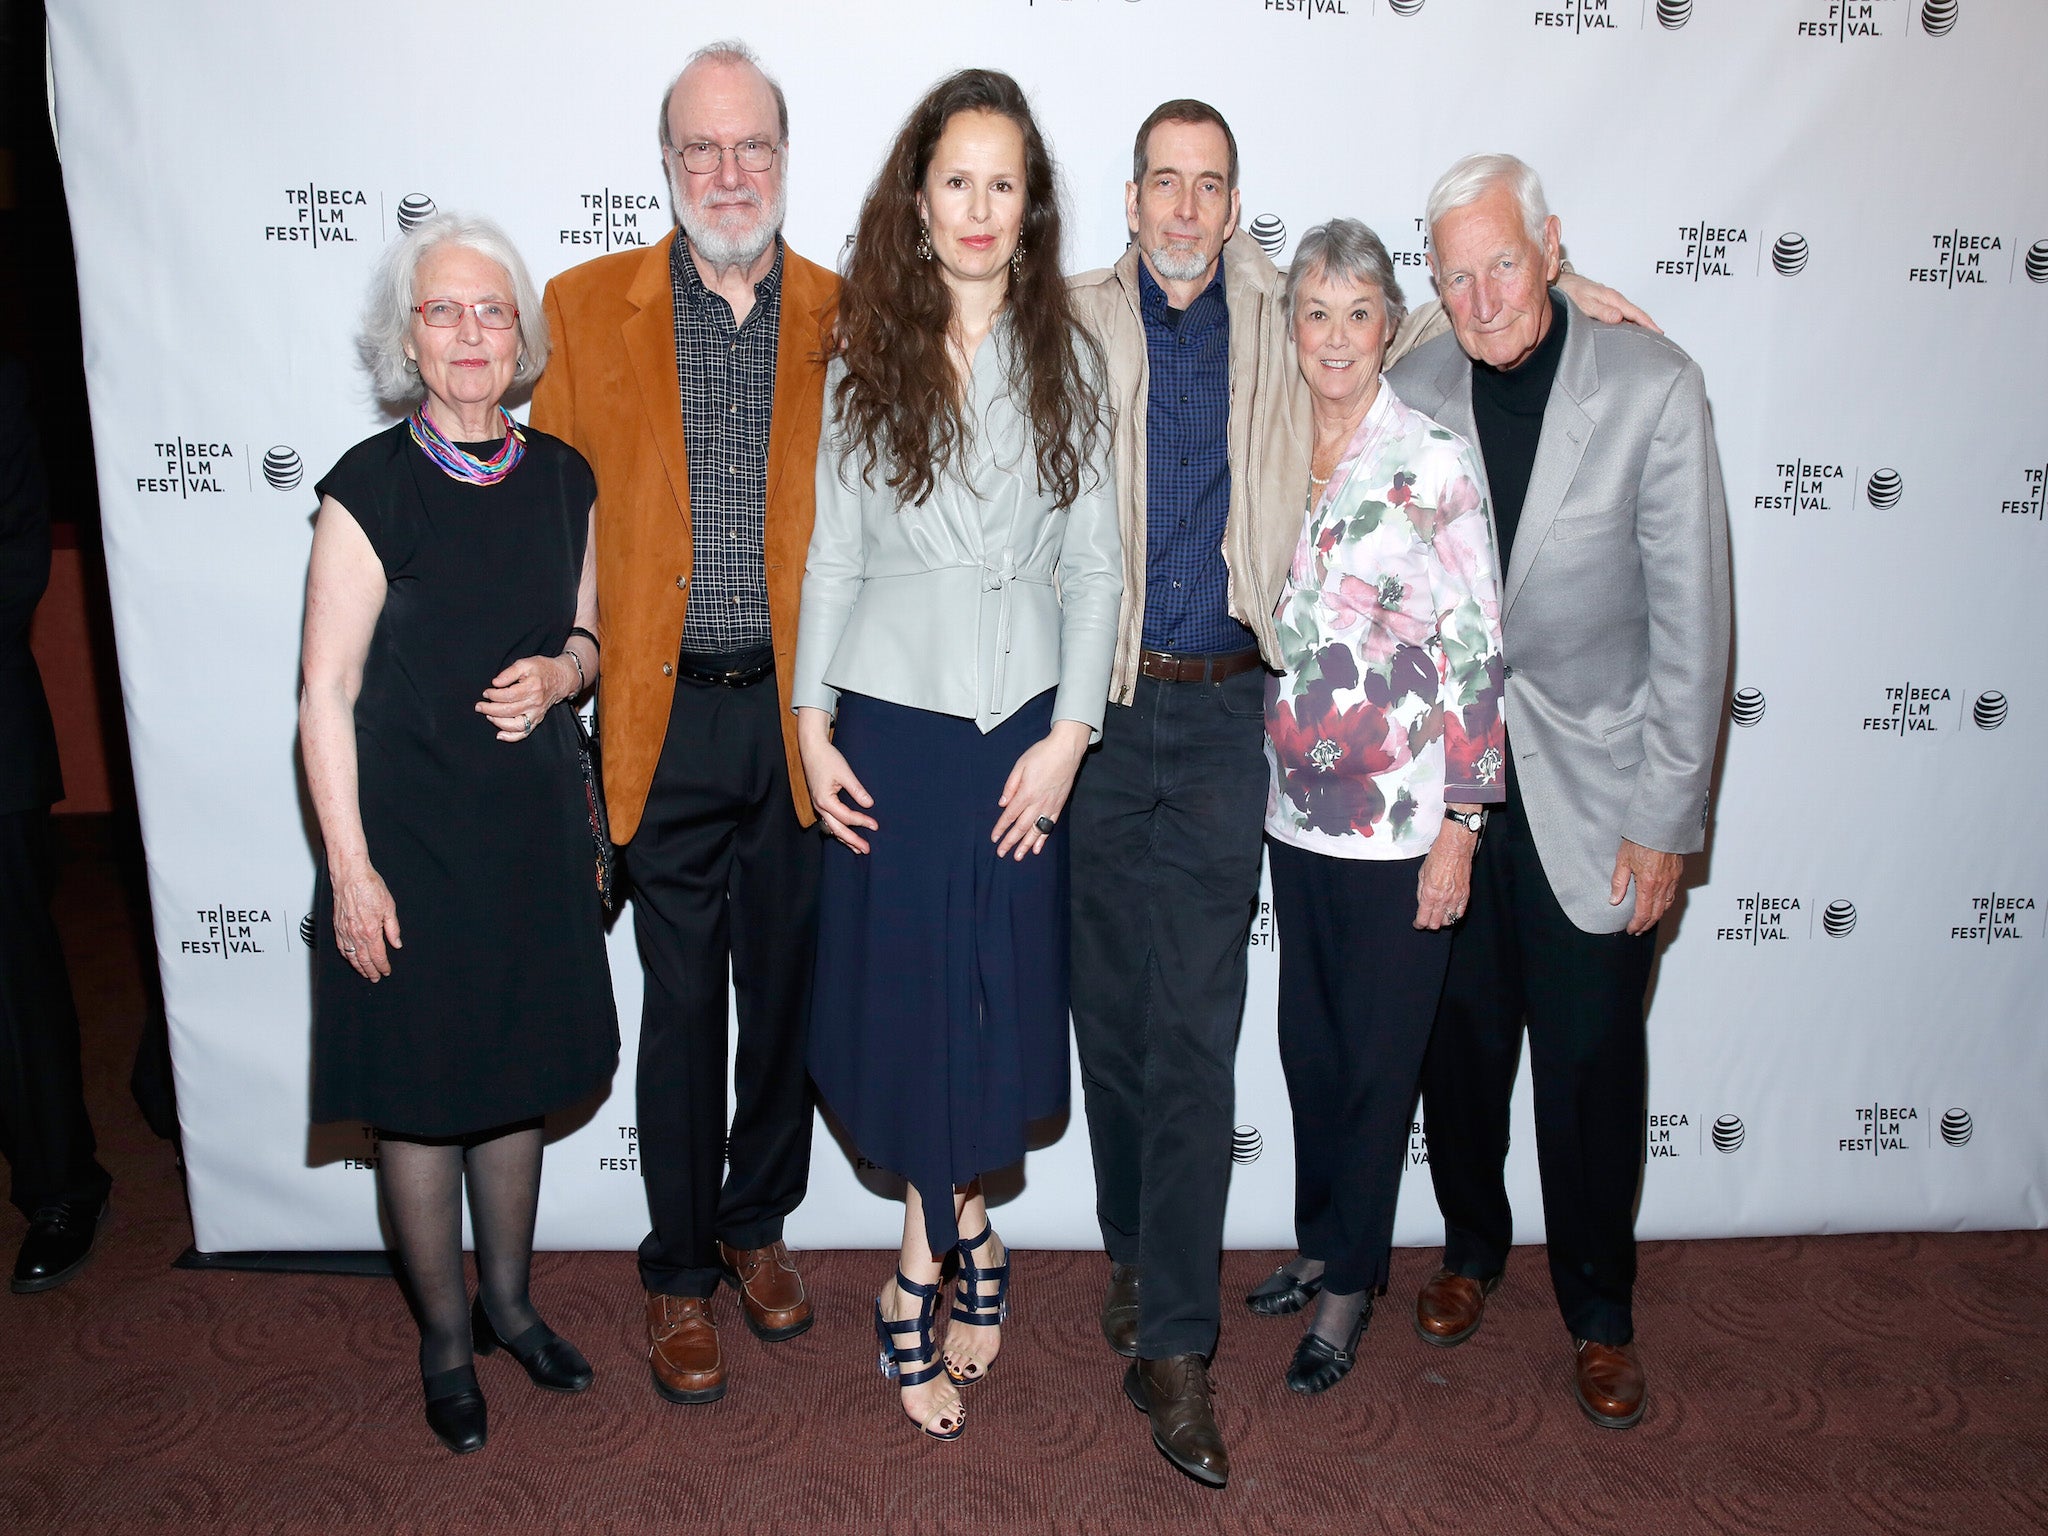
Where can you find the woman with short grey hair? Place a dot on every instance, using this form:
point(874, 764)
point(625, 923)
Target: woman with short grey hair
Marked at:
point(1385, 739)
point(451, 605)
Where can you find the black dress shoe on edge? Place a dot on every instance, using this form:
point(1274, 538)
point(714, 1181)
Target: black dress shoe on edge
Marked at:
point(551, 1361)
point(455, 1409)
point(1120, 1310)
point(1319, 1365)
point(1281, 1294)
point(61, 1237)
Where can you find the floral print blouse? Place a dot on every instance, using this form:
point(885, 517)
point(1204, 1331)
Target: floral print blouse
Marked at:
point(1389, 628)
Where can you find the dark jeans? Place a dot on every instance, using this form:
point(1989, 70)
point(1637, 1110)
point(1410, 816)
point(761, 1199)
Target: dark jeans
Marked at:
point(722, 874)
point(1359, 984)
point(1166, 822)
point(44, 1133)
point(1517, 955)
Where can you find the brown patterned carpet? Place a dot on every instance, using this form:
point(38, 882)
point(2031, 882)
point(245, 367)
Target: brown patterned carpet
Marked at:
point(1801, 1386)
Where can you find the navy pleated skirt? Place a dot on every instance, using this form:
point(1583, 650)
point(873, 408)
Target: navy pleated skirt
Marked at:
point(939, 1015)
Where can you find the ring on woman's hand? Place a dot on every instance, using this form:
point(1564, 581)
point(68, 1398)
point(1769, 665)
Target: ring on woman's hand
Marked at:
point(348, 949)
point(1454, 914)
point(528, 722)
point(1044, 824)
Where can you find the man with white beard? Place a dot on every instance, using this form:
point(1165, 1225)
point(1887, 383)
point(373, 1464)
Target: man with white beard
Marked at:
point(691, 375)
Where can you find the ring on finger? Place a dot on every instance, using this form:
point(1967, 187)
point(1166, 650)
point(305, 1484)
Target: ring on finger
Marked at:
point(1044, 825)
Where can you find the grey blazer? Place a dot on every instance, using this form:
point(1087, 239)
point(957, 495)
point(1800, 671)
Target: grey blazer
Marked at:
point(975, 602)
point(1615, 607)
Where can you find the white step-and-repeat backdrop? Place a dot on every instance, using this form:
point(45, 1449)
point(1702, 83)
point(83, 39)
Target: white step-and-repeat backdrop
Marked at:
point(1840, 207)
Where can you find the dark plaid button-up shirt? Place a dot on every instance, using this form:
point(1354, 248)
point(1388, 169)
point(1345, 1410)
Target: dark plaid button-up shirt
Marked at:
point(1187, 472)
point(727, 374)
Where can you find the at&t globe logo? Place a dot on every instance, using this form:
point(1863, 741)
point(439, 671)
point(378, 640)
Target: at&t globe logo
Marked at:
point(1270, 234)
point(1989, 710)
point(1404, 7)
point(306, 930)
point(1788, 252)
point(1673, 14)
point(414, 209)
point(2037, 262)
point(1938, 17)
point(1747, 707)
point(1728, 1133)
point(1883, 489)
point(1957, 1127)
point(283, 468)
point(1838, 919)
point(1246, 1144)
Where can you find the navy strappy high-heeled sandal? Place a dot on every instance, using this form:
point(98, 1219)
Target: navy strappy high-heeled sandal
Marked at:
point(912, 1365)
point(970, 1306)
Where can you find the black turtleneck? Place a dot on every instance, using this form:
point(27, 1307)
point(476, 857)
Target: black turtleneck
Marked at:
point(1507, 407)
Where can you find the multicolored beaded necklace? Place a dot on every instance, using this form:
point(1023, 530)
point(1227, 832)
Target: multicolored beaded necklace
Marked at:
point(459, 465)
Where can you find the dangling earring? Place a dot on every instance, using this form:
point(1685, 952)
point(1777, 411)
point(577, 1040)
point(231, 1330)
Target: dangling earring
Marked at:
point(1017, 260)
point(924, 243)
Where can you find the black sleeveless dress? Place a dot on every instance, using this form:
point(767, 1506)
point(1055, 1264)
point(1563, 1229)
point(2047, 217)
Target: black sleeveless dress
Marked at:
point(499, 1006)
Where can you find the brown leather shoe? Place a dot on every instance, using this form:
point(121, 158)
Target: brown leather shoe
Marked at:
point(1450, 1307)
point(1120, 1310)
point(1174, 1394)
point(771, 1291)
point(1609, 1379)
point(682, 1349)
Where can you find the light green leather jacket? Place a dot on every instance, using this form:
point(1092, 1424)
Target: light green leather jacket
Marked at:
point(976, 601)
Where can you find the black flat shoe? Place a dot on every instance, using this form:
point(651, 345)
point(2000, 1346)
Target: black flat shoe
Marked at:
point(1319, 1365)
point(455, 1409)
point(60, 1240)
point(551, 1361)
point(1280, 1294)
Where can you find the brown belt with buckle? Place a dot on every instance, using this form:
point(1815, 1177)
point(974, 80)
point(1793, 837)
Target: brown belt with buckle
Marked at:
point(1170, 668)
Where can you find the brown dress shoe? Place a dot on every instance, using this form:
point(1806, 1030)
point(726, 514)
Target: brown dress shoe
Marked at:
point(682, 1349)
point(1174, 1394)
point(1120, 1310)
point(771, 1291)
point(1612, 1390)
point(1450, 1307)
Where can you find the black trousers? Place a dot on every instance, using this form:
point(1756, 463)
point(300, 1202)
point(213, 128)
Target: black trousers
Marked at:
point(1517, 955)
point(723, 877)
point(1166, 822)
point(1359, 984)
point(44, 1133)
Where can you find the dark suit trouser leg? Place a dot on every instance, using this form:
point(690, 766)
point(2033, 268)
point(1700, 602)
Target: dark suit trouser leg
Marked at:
point(1358, 992)
point(1519, 955)
point(44, 1132)
point(1166, 827)
point(724, 879)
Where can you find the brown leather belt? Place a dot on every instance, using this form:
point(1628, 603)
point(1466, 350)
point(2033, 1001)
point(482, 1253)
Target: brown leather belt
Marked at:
point(1170, 668)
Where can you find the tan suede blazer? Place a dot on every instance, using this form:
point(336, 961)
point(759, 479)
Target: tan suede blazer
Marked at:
point(611, 391)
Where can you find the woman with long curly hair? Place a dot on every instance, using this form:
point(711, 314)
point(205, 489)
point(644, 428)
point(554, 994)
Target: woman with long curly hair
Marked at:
point(953, 656)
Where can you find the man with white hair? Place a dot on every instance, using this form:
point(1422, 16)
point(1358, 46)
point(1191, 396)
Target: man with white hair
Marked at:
point(1612, 527)
point(691, 375)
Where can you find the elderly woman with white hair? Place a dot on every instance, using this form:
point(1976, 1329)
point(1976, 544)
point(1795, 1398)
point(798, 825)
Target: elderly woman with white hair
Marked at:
point(1385, 740)
point(460, 984)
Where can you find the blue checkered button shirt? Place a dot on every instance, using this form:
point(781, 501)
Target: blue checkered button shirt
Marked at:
point(1187, 473)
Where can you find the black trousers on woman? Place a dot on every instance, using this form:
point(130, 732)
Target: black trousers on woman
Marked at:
point(1358, 992)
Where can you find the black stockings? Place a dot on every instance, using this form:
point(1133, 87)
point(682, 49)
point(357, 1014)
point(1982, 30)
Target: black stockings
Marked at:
point(421, 1181)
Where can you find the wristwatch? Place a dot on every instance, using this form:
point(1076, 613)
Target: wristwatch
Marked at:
point(1472, 821)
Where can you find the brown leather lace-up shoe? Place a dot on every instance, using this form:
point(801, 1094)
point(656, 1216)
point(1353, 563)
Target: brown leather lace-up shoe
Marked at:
point(682, 1349)
point(1120, 1310)
point(1174, 1394)
point(771, 1291)
point(1610, 1384)
point(1450, 1307)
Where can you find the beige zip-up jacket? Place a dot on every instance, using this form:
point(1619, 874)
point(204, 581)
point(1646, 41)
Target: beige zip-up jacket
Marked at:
point(1269, 435)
